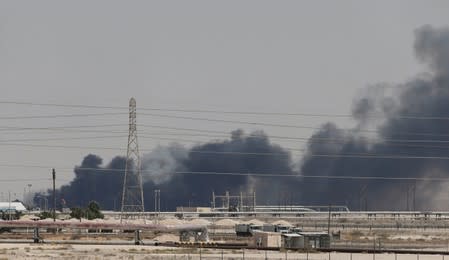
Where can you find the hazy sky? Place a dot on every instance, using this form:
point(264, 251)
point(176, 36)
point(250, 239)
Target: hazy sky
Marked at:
point(269, 56)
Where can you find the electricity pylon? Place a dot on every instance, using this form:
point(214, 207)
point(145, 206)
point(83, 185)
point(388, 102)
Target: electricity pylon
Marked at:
point(132, 196)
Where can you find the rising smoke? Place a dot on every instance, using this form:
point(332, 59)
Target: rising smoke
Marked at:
point(425, 96)
point(170, 170)
point(385, 114)
point(252, 153)
point(160, 164)
point(94, 182)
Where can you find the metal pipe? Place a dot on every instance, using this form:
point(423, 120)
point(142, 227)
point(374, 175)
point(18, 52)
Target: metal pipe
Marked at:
point(90, 225)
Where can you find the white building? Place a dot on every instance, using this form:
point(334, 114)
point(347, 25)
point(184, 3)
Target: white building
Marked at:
point(13, 206)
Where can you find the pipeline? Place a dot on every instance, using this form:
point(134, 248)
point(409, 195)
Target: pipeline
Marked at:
point(56, 225)
point(104, 225)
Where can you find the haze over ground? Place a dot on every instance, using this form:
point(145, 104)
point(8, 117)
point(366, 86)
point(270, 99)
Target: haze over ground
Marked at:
point(289, 57)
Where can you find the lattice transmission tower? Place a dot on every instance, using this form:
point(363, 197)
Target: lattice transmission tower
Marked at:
point(132, 196)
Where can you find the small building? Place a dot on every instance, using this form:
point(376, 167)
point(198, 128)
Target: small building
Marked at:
point(266, 239)
point(316, 239)
point(12, 206)
point(247, 230)
point(11, 210)
point(306, 240)
point(292, 240)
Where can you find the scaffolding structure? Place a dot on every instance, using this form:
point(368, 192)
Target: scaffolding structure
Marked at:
point(243, 202)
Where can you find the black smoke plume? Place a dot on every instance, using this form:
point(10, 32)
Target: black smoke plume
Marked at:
point(405, 129)
point(241, 154)
point(171, 169)
point(94, 182)
point(391, 121)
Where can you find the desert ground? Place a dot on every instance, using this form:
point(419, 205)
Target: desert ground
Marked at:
point(355, 233)
point(51, 251)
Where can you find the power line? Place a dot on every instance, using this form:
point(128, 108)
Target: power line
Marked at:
point(359, 156)
point(157, 136)
point(122, 149)
point(384, 142)
point(13, 128)
point(227, 121)
point(58, 116)
point(250, 174)
point(62, 105)
point(22, 180)
point(340, 177)
point(250, 136)
point(245, 122)
point(194, 118)
point(311, 139)
point(224, 111)
point(61, 138)
point(226, 134)
point(307, 127)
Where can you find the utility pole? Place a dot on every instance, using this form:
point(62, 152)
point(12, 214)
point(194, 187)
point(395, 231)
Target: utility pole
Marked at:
point(227, 201)
point(329, 221)
point(408, 190)
point(9, 208)
point(54, 194)
point(29, 200)
point(254, 201)
point(414, 196)
point(157, 201)
point(362, 198)
point(241, 202)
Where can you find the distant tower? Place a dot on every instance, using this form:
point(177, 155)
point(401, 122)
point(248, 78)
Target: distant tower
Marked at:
point(132, 196)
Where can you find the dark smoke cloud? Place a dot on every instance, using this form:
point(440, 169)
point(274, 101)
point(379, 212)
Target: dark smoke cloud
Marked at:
point(431, 46)
point(424, 96)
point(160, 167)
point(93, 182)
point(225, 156)
point(382, 107)
point(278, 161)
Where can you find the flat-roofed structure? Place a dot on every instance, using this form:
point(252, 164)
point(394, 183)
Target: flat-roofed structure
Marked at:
point(12, 206)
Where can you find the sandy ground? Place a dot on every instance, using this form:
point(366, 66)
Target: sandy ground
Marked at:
point(223, 230)
point(39, 251)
